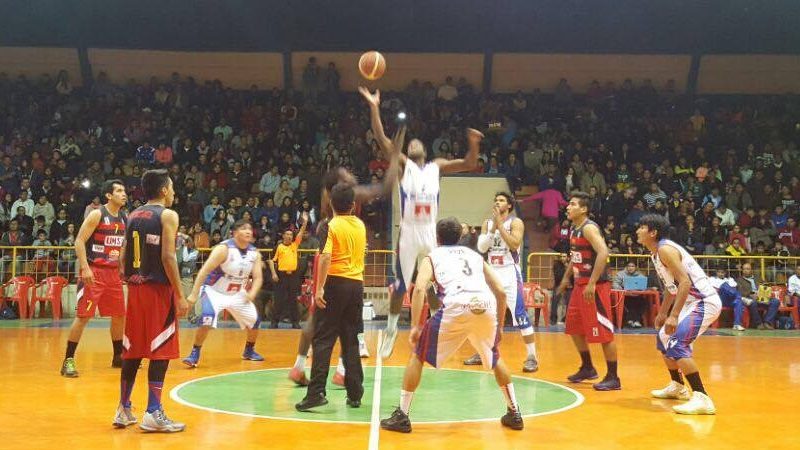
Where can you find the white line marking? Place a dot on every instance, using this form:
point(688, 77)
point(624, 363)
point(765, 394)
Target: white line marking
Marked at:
point(374, 424)
point(175, 395)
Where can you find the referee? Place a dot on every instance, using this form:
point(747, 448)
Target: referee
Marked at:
point(287, 278)
point(339, 291)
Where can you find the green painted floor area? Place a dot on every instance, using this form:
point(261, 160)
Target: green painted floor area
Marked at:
point(443, 396)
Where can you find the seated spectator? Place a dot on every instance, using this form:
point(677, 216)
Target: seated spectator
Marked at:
point(146, 154)
point(779, 218)
point(790, 235)
point(306, 207)
point(25, 221)
point(42, 258)
point(163, 155)
point(210, 211)
point(221, 223)
point(735, 248)
point(730, 296)
point(690, 236)
point(635, 306)
point(263, 232)
point(200, 236)
point(632, 220)
point(654, 194)
point(748, 285)
point(286, 223)
point(283, 191)
point(67, 257)
point(14, 237)
point(726, 217)
point(95, 204)
point(216, 238)
point(45, 209)
point(25, 202)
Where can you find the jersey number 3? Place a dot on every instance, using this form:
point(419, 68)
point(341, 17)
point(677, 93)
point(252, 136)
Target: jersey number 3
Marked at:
point(137, 250)
point(467, 270)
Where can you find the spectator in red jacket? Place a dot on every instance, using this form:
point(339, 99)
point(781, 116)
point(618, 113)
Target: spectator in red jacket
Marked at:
point(790, 235)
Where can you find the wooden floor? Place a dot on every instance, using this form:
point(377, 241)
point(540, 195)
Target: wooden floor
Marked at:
point(755, 382)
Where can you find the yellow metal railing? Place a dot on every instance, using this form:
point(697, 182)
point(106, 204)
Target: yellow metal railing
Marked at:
point(41, 262)
point(773, 269)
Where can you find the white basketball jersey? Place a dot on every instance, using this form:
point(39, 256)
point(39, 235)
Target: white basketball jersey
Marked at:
point(419, 194)
point(701, 286)
point(500, 255)
point(233, 274)
point(458, 270)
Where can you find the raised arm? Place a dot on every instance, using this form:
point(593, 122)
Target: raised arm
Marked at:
point(374, 101)
point(469, 161)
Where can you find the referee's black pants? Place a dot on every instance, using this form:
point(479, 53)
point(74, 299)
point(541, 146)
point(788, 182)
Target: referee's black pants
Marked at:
point(340, 318)
point(286, 292)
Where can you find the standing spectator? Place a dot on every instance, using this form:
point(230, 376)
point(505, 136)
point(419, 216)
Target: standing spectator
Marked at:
point(311, 80)
point(552, 202)
point(286, 276)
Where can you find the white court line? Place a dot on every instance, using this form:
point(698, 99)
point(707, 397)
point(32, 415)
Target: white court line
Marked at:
point(374, 425)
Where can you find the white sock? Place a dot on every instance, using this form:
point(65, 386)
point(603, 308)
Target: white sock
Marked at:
point(531, 349)
point(393, 318)
point(340, 366)
point(361, 338)
point(405, 401)
point(511, 398)
point(300, 362)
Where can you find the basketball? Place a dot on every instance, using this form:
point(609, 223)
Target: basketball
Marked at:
point(372, 65)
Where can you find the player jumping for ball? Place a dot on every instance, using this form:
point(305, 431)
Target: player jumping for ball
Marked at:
point(419, 200)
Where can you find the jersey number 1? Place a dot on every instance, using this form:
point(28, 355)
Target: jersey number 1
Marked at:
point(137, 250)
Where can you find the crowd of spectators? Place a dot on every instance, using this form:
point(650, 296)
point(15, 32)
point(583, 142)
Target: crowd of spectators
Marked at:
point(724, 170)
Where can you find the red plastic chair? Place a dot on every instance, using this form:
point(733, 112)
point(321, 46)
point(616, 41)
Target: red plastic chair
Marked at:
point(20, 293)
point(529, 292)
point(779, 292)
point(53, 288)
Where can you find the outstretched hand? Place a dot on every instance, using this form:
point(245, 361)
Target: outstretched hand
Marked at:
point(474, 135)
point(372, 99)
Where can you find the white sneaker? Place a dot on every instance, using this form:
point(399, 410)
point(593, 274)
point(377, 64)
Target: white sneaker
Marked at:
point(362, 349)
point(124, 417)
point(738, 328)
point(157, 421)
point(674, 390)
point(699, 404)
point(389, 336)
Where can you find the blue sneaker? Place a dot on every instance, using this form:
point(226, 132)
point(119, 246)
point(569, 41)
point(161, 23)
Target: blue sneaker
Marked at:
point(251, 355)
point(193, 358)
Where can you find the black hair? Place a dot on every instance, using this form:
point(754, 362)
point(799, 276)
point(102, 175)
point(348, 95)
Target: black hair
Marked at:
point(509, 198)
point(657, 223)
point(342, 198)
point(108, 186)
point(448, 231)
point(153, 181)
point(584, 199)
point(240, 223)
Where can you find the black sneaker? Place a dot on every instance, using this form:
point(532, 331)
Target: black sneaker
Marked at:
point(116, 361)
point(398, 421)
point(583, 374)
point(513, 420)
point(311, 402)
point(354, 403)
point(608, 384)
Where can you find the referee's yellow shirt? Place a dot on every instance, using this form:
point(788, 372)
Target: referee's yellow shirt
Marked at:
point(286, 255)
point(346, 243)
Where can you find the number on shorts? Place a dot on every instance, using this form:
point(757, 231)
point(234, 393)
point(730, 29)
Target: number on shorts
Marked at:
point(89, 306)
point(467, 270)
point(137, 250)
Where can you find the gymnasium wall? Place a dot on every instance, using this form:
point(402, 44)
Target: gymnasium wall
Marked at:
point(749, 74)
point(36, 61)
point(518, 71)
point(401, 68)
point(237, 70)
point(718, 74)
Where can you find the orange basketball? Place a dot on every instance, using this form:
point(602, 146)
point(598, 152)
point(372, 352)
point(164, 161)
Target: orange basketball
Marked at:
point(372, 65)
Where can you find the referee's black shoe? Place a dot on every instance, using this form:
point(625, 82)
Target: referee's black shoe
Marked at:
point(311, 402)
point(513, 420)
point(398, 421)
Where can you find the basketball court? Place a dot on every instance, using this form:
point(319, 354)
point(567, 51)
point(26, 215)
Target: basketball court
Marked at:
point(230, 403)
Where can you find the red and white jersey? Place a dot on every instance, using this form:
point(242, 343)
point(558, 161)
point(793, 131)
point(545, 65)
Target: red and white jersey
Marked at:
point(419, 195)
point(103, 247)
point(233, 275)
point(458, 270)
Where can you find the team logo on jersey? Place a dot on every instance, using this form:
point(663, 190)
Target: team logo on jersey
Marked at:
point(153, 239)
point(113, 255)
point(114, 241)
point(595, 332)
point(208, 321)
point(477, 306)
point(98, 248)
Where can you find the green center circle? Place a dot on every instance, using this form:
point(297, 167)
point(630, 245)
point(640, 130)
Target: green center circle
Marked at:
point(444, 396)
